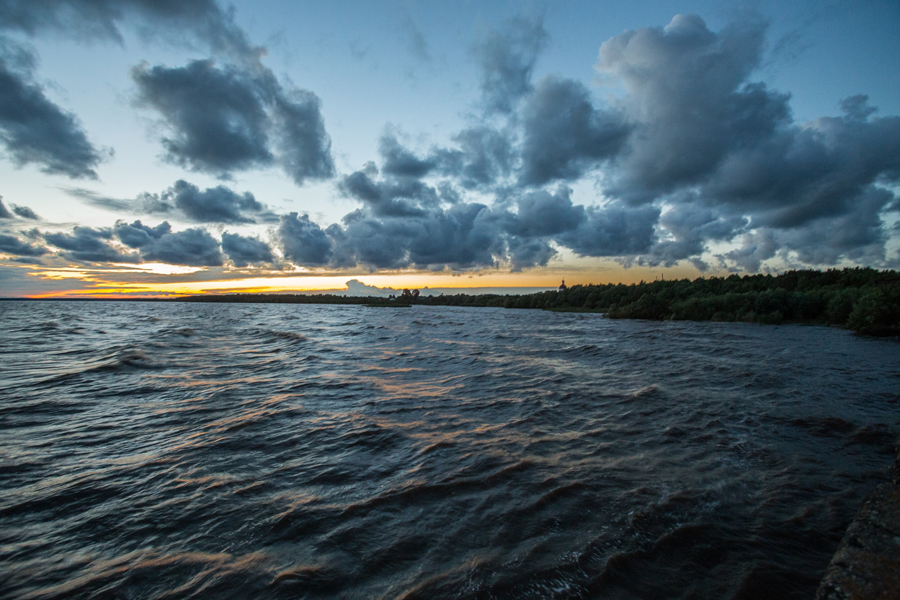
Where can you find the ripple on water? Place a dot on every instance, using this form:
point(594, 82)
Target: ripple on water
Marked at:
point(277, 451)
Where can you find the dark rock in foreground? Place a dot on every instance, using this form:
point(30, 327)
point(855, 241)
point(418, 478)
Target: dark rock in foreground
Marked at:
point(867, 563)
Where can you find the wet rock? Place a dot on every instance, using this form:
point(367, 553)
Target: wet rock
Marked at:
point(867, 563)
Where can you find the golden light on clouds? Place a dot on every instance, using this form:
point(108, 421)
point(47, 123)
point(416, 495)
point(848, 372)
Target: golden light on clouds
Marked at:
point(161, 268)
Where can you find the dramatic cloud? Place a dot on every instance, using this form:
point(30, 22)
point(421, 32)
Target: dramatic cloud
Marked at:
point(216, 115)
point(542, 214)
point(34, 130)
point(101, 18)
point(564, 134)
point(856, 233)
point(212, 205)
point(12, 245)
point(702, 133)
point(824, 169)
point(462, 236)
point(188, 202)
point(25, 212)
point(244, 251)
point(689, 101)
point(755, 248)
point(690, 227)
point(484, 156)
point(191, 247)
point(138, 235)
point(613, 230)
point(86, 244)
point(692, 156)
point(397, 160)
point(394, 197)
point(304, 145)
point(223, 119)
point(304, 242)
point(507, 59)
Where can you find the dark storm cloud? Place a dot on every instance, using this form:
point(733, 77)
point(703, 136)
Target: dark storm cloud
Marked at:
point(186, 201)
point(397, 160)
point(25, 212)
point(138, 235)
point(216, 115)
point(223, 119)
point(755, 248)
point(34, 130)
point(102, 18)
point(462, 236)
point(564, 134)
point(406, 223)
point(699, 122)
point(856, 234)
point(304, 145)
point(4, 213)
point(507, 58)
point(303, 241)
point(484, 156)
point(86, 244)
point(525, 253)
point(857, 107)
point(12, 245)
point(689, 100)
point(244, 251)
point(692, 135)
point(542, 214)
point(802, 174)
point(394, 197)
point(220, 119)
point(613, 230)
point(191, 247)
point(403, 223)
point(212, 205)
point(704, 134)
point(690, 228)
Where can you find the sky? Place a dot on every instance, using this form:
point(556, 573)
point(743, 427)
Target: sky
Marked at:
point(160, 147)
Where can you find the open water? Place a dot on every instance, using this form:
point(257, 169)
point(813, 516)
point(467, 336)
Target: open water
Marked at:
point(152, 450)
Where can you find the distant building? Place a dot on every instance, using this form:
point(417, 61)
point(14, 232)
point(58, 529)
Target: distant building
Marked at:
point(562, 286)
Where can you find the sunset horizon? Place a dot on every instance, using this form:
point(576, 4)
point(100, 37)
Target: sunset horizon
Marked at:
point(516, 148)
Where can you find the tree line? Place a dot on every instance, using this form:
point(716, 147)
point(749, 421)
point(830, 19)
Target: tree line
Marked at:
point(862, 299)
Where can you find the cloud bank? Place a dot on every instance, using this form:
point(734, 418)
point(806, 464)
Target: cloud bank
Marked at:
point(34, 130)
point(693, 161)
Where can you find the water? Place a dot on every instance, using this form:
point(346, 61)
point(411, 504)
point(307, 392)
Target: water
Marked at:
point(274, 451)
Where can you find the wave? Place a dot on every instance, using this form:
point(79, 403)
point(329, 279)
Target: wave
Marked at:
point(219, 451)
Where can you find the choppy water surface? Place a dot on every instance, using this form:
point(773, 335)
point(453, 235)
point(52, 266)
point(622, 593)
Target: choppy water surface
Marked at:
point(276, 451)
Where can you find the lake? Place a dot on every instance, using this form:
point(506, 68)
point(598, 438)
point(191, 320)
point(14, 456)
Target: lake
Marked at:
point(187, 450)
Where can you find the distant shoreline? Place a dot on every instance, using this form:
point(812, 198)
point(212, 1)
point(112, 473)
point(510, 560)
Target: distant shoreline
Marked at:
point(863, 300)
